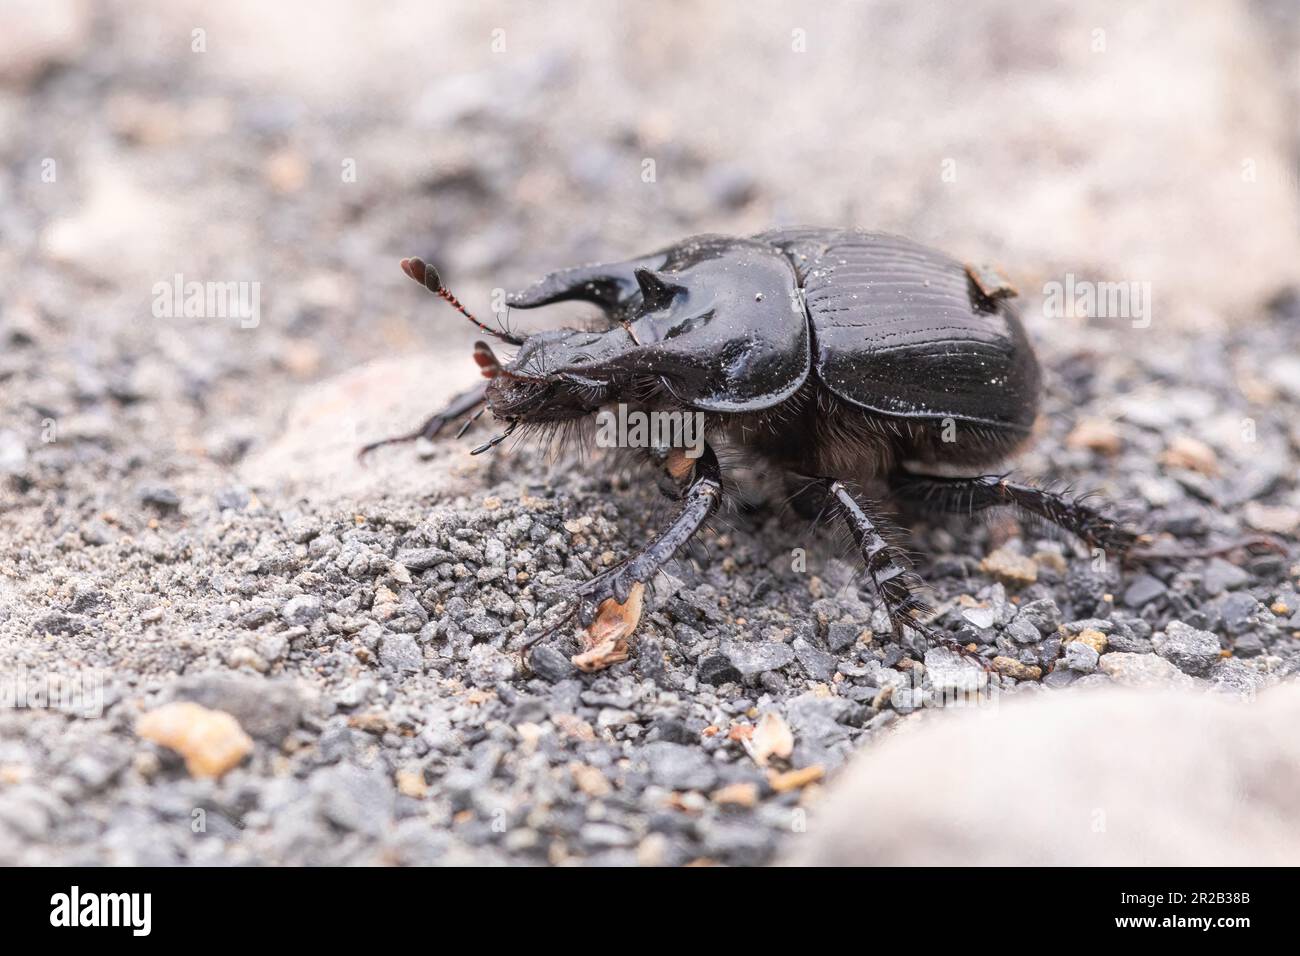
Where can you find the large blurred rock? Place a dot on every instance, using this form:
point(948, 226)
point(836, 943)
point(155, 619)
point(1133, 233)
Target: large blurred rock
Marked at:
point(316, 452)
point(1089, 778)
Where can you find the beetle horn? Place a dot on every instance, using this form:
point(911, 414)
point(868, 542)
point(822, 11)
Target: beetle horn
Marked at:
point(656, 291)
point(427, 276)
point(608, 285)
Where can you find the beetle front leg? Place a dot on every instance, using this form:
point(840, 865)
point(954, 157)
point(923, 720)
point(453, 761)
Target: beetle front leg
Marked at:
point(968, 495)
point(700, 500)
point(898, 586)
point(461, 404)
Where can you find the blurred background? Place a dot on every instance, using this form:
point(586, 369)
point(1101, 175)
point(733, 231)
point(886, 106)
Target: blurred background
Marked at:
point(308, 146)
point(179, 495)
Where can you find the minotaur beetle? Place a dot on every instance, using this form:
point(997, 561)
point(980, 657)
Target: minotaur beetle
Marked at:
point(837, 358)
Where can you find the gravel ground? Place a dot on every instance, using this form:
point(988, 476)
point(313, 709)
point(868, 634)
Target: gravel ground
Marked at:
point(182, 518)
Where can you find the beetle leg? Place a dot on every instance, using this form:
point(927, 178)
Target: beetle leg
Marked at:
point(461, 404)
point(702, 495)
point(890, 571)
point(967, 495)
point(700, 500)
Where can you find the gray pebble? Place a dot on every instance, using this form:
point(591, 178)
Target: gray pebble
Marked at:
point(679, 767)
point(301, 610)
point(1192, 651)
point(755, 657)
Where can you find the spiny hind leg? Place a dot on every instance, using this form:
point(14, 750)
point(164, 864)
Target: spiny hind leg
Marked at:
point(967, 495)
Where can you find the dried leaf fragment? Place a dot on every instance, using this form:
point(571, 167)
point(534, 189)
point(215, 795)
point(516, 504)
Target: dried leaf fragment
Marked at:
point(771, 738)
point(605, 641)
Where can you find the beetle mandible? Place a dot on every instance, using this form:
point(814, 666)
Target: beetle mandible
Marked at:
point(840, 359)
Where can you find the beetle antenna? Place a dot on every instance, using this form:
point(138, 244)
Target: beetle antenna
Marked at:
point(427, 276)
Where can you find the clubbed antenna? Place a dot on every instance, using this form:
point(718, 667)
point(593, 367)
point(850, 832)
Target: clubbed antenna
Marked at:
point(428, 277)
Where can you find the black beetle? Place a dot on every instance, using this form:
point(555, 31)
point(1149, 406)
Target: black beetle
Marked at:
point(838, 358)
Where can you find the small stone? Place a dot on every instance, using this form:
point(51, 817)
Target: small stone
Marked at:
point(1221, 576)
point(590, 780)
point(1042, 614)
point(550, 665)
point(301, 610)
point(574, 727)
point(419, 559)
point(401, 653)
point(950, 673)
point(980, 616)
point(1010, 667)
point(411, 783)
point(160, 497)
point(1273, 519)
point(211, 741)
point(1191, 454)
point(1143, 590)
point(1023, 632)
point(1010, 567)
point(842, 635)
point(678, 767)
point(1142, 670)
point(717, 669)
point(795, 779)
point(818, 664)
point(1235, 676)
point(1081, 657)
point(1095, 434)
point(1091, 637)
point(487, 665)
point(605, 835)
point(1192, 651)
point(355, 798)
point(742, 794)
point(751, 658)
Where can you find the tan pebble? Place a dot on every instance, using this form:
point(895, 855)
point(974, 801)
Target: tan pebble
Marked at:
point(652, 851)
point(590, 780)
point(1011, 667)
point(1274, 519)
point(211, 741)
point(741, 794)
point(1009, 567)
point(795, 779)
point(572, 726)
point(411, 783)
point(1094, 639)
point(286, 171)
point(1095, 434)
point(1051, 559)
point(1192, 454)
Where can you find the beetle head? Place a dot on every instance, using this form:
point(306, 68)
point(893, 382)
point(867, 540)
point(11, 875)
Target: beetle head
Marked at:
point(556, 375)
